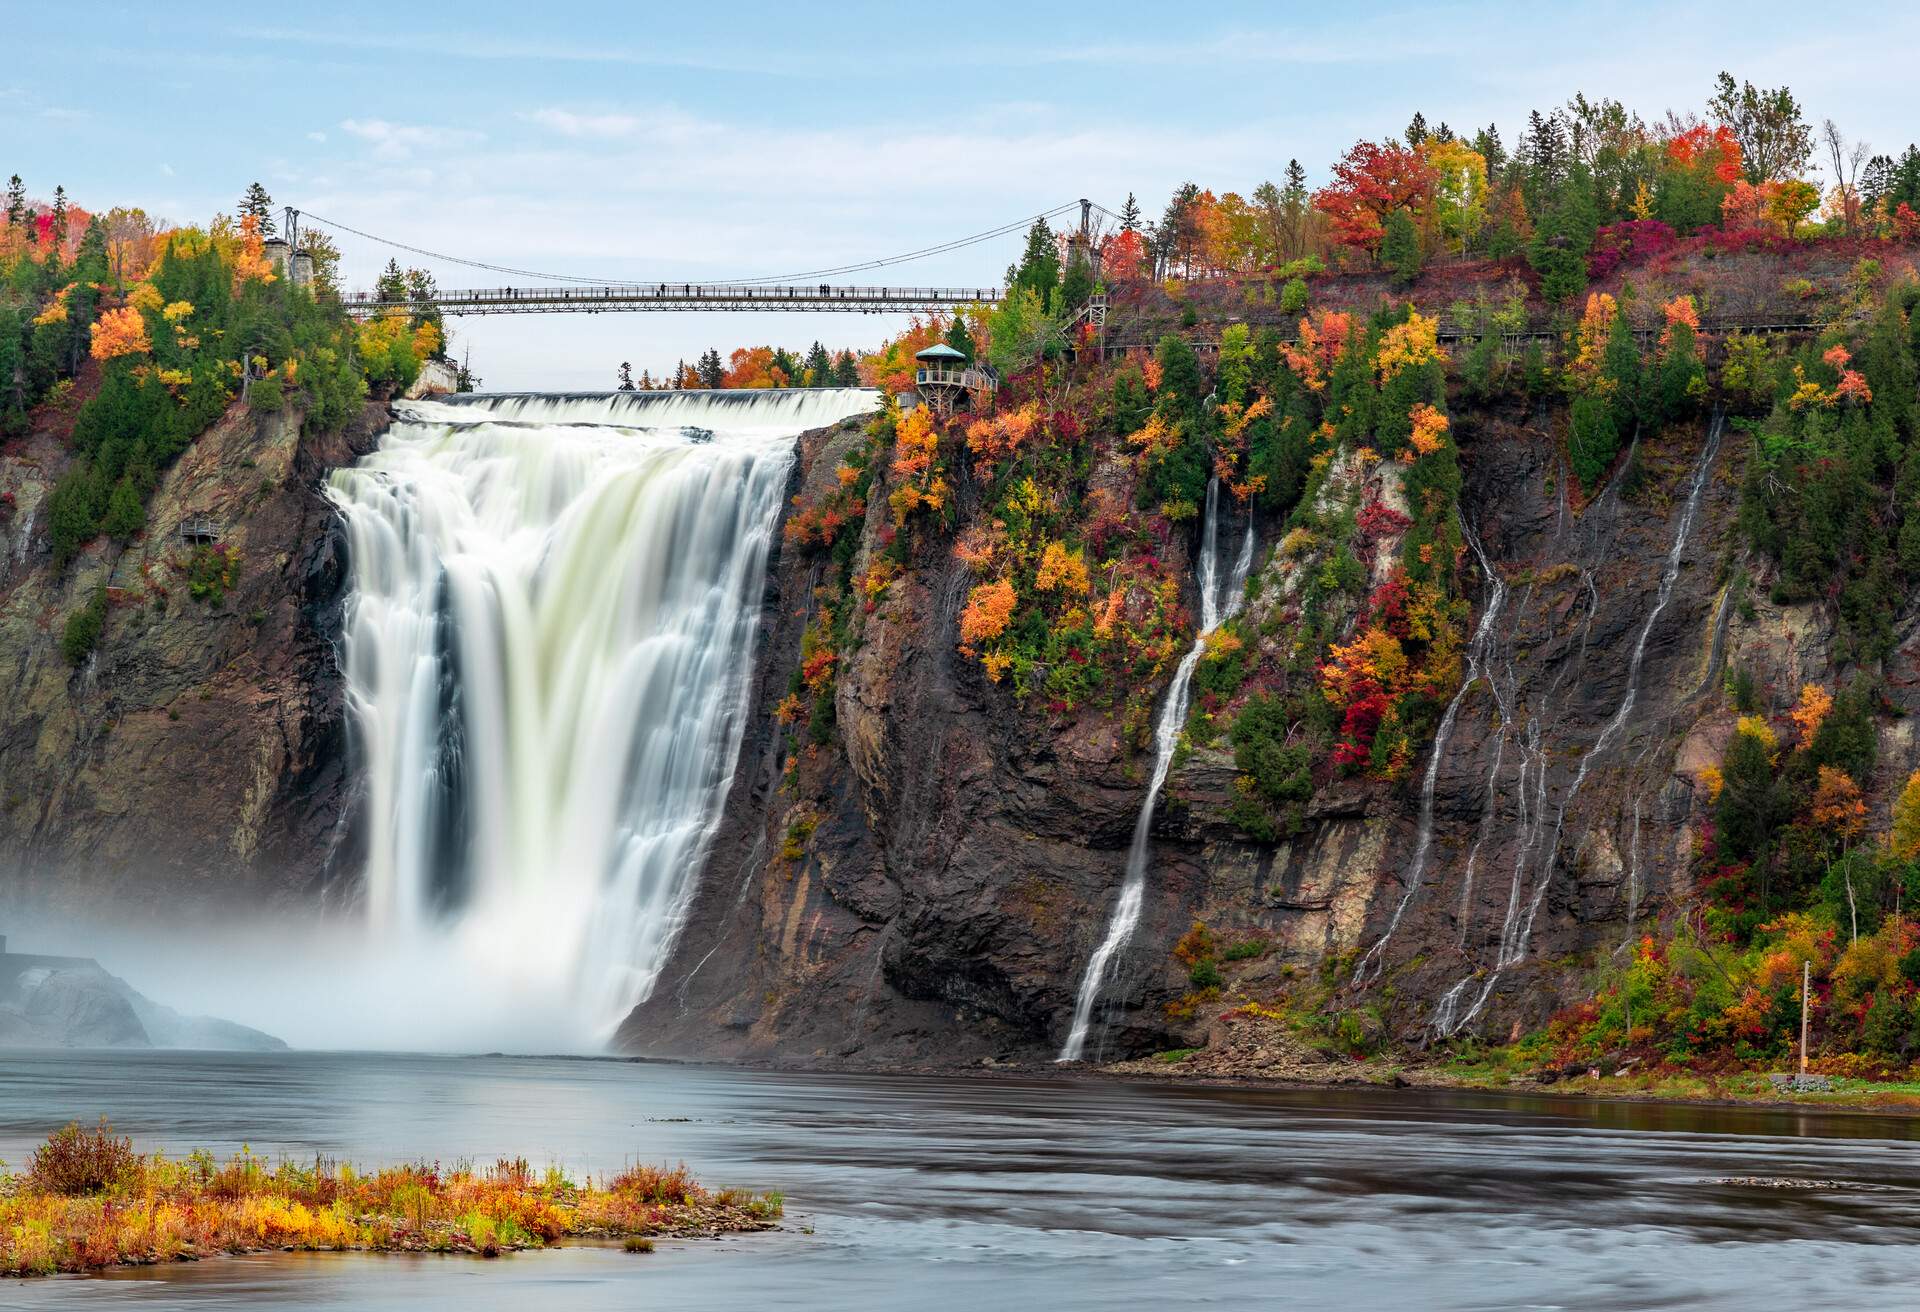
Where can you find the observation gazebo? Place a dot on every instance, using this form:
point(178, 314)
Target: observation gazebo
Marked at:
point(943, 375)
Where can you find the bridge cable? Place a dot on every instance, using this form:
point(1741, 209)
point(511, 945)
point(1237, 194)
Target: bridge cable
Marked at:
point(922, 253)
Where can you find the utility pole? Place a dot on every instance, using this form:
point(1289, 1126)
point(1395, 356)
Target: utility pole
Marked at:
point(292, 226)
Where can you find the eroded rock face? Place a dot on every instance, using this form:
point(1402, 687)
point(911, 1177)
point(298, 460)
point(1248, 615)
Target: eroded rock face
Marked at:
point(968, 850)
point(197, 758)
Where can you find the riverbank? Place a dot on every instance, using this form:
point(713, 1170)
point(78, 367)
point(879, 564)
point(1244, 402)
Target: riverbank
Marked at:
point(1262, 1051)
point(89, 1202)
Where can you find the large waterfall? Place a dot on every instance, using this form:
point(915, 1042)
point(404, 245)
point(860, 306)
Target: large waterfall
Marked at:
point(546, 654)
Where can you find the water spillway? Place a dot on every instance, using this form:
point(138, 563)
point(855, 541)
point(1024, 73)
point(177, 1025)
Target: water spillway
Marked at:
point(546, 650)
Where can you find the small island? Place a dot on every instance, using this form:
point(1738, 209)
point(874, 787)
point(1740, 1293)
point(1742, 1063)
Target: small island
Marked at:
point(89, 1201)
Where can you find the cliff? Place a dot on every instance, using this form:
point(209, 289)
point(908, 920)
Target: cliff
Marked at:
point(929, 884)
point(196, 756)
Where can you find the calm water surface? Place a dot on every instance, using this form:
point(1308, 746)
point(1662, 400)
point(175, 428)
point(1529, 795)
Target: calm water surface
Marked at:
point(923, 1192)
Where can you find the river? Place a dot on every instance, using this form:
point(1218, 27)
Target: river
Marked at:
point(1055, 1193)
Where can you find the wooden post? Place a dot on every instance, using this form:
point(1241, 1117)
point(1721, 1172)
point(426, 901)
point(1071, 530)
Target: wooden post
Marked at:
point(1806, 975)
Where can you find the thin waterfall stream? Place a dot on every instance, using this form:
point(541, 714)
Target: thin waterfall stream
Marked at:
point(546, 647)
point(1215, 610)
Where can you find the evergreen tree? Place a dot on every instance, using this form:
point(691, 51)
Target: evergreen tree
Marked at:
point(16, 201)
point(1294, 200)
point(959, 338)
point(679, 375)
point(256, 202)
point(1039, 267)
point(1558, 252)
point(789, 367)
point(846, 370)
point(1487, 142)
point(1400, 249)
point(126, 515)
point(1417, 129)
point(1129, 214)
point(626, 377)
point(1621, 367)
point(391, 285)
point(819, 366)
point(712, 373)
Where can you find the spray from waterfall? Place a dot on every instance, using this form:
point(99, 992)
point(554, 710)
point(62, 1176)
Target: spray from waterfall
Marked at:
point(546, 643)
point(1215, 610)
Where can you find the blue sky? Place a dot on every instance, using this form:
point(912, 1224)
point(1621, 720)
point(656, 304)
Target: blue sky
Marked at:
point(689, 141)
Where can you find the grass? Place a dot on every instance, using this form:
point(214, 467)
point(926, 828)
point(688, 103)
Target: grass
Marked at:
point(89, 1201)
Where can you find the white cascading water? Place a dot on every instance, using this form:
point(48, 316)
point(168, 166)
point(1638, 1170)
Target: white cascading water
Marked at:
point(1516, 934)
point(546, 652)
point(1215, 610)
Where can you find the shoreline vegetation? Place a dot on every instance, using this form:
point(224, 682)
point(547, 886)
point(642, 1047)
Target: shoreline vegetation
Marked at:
point(88, 1202)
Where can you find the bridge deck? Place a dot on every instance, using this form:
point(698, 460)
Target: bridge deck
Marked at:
point(681, 296)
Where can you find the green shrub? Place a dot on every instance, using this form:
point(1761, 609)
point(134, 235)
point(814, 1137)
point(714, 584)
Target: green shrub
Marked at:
point(1295, 296)
point(265, 395)
point(82, 633)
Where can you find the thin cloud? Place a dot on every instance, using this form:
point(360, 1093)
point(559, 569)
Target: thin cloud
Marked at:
point(398, 141)
point(477, 47)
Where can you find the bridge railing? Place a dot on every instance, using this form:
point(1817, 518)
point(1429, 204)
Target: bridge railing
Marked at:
point(679, 294)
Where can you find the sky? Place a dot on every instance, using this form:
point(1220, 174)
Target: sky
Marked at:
point(704, 142)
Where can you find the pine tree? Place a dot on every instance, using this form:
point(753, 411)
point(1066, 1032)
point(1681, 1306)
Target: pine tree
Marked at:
point(626, 377)
point(712, 373)
point(392, 282)
point(1129, 214)
point(1400, 249)
point(679, 375)
point(959, 338)
point(1039, 267)
point(1293, 207)
point(819, 366)
point(1487, 143)
point(256, 202)
point(1561, 241)
point(846, 370)
point(1417, 129)
point(16, 201)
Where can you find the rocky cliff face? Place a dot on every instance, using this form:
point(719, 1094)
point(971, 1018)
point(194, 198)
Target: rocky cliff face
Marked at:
point(198, 754)
point(930, 885)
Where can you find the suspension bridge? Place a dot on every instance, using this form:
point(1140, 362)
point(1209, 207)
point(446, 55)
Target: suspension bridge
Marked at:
point(810, 290)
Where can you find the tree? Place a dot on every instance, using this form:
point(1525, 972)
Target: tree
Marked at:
point(391, 285)
point(1039, 267)
point(713, 374)
point(1846, 173)
point(1130, 215)
point(16, 201)
point(1021, 331)
point(1294, 203)
point(1459, 190)
point(1416, 129)
point(959, 338)
point(1369, 183)
point(1775, 143)
point(1558, 252)
point(818, 366)
point(256, 202)
point(1905, 836)
point(1400, 249)
point(1178, 230)
point(846, 371)
point(626, 376)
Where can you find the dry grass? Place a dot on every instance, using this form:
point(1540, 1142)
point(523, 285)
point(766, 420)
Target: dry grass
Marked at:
point(89, 1201)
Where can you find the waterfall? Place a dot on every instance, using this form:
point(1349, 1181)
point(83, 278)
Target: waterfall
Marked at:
point(546, 649)
point(1215, 610)
point(1479, 654)
point(1516, 934)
